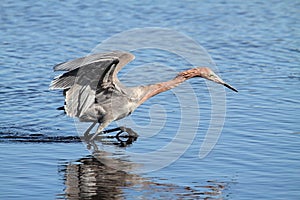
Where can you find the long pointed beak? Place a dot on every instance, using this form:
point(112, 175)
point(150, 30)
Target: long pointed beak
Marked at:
point(230, 87)
point(220, 81)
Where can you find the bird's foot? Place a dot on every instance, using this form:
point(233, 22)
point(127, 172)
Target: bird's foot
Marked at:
point(130, 138)
point(131, 133)
point(123, 139)
point(92, 144)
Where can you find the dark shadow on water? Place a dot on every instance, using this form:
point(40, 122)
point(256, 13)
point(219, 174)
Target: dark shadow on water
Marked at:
point(118, 140)
point(37, 138)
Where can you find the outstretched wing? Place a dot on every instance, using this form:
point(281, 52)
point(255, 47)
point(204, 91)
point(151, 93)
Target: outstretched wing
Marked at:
point(84, 77)
point(101, 60)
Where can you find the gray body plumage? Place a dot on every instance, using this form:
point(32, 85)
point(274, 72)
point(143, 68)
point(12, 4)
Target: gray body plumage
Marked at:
point(92, 90)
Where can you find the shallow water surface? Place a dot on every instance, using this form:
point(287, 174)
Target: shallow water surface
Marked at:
point(256, 48)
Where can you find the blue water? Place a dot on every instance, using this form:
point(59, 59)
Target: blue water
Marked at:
point(255, 45)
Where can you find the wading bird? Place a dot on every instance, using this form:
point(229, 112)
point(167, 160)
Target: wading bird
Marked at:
point(93, 92)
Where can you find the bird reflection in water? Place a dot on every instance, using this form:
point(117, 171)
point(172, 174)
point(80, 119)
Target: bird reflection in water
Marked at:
point(88, 178)
point(103, 177)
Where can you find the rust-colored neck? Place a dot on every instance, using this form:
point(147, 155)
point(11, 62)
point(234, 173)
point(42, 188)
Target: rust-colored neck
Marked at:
point(157, 88)
point(190, 73)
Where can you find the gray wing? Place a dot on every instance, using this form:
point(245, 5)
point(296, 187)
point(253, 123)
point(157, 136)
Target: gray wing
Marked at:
point(123, 57)
point(101, 59)
point(85, 76)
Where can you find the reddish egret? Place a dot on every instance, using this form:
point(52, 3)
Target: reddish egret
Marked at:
point(93, 92)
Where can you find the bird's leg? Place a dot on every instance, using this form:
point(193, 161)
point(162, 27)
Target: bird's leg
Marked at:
point(100, 129)
point(122, 129)
point(130, 132)
point(86, 133)
point(112, 130)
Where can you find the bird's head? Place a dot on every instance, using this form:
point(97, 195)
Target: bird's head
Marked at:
point(208, 74)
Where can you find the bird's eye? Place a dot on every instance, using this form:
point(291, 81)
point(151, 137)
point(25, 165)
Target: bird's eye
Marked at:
point(211, 75)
